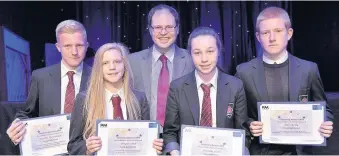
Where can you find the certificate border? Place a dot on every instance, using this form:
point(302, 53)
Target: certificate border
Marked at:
point(322, 103)
point(42, 117)
point(232, 129)
point(111, 120)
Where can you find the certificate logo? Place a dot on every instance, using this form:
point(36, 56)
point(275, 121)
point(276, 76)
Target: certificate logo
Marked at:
point(103, 125)
point(152, 125)
point(265, 107)
point(187, 129)
point(317, 107)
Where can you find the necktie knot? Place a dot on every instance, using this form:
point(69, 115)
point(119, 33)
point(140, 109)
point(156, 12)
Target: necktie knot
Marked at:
point(117, 111)
point(70, 75)
point(116, 100)
point(206, 88)
point(163, 59)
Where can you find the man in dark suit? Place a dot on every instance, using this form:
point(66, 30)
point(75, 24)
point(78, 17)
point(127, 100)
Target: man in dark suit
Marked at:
point(154, 68)
point(53, 89)
point(278, 76)
point(206, 96)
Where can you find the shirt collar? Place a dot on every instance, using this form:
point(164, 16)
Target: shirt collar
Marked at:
point(64, 69)
point(169, 54)
point(109, 94)
point(213, 81)
point(281, 60)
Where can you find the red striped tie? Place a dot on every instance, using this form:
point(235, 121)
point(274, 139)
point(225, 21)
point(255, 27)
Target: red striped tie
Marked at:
point(70, 93)
point(206, 112)
point(117, 112)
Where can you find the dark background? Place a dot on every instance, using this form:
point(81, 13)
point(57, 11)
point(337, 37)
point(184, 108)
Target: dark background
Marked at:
point(316, 30)
point(316, 35)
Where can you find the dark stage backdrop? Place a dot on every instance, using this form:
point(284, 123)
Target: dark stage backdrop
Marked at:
point(127, 22)
point(316, 38)
point(315, 28)
point(316, 34)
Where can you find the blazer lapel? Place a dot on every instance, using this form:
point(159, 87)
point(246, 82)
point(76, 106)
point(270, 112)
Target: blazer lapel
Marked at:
point(223, 98)
point(259, 79)
point(179, 63)
point(294, 76)
point(192, 97)
point(146, 67)
point(86, 72)
point(55, 75)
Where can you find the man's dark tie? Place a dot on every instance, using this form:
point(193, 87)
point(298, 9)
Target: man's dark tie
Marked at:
point(70, 93)
point(117, 112)
point(163, 85)
point(206, 111)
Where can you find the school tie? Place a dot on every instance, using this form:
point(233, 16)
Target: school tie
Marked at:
point(117, 112)
point(206, 111)
point(70, 93)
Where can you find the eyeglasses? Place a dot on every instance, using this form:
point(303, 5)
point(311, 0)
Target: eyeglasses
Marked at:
point(158, 28)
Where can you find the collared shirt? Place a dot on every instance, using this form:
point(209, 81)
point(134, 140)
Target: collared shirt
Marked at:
point(156, 68)
point(64, 82)
point(281, 60)
point(109, 104)
point(213, 95)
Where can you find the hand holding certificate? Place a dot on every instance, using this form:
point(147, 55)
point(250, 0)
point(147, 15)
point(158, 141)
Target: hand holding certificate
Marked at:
point(292, 123)
point(46, 135)
point(123, 137)
point(211, 141)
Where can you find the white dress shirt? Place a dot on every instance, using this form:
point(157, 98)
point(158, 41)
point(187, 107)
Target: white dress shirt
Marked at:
point(281, 60)
point(213, 95)
point(64, 82)
point(109, 104)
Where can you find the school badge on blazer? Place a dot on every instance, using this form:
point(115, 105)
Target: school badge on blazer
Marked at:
point(303, 95)
point(303, 98)
point(230, 110)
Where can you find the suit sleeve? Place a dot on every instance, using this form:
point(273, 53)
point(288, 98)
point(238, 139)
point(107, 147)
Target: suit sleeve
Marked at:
point(172, 122)
point(77, 144)
point(240, 107)
point(241, 116)
point(246, 124)
point(317, 91)
point(145, 114)
point(32, 103)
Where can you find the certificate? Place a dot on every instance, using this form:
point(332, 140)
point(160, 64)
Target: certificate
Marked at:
point(196, 140)
point(46, 135)
point(124, 137)
point(292, 122)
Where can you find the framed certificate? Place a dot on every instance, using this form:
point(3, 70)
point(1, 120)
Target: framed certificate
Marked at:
point(196, 140)
point(47, 135)
point(294, 123)
point(126, 137)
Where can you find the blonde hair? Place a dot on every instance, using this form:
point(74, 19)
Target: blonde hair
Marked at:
point(273, 12)
point(94, 105)
point(70, 27)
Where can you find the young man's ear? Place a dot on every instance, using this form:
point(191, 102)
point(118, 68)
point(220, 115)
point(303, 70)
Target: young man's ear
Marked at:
point(58, 46)
point(290, 33)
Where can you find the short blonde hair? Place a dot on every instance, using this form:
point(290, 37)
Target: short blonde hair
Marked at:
point(273, 12)
point(70, 27)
